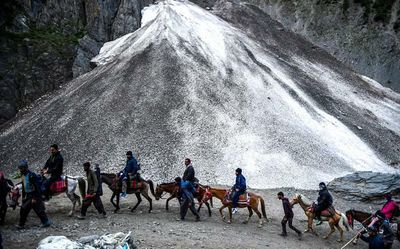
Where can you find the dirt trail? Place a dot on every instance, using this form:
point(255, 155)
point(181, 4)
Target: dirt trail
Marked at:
point(160, 229)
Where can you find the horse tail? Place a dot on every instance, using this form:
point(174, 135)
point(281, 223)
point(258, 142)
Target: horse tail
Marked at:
point(263, 207)
point(211, 202)
point(82, 187)
point(150, 182)
point(345, 222)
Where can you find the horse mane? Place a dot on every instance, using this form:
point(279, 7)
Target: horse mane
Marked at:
point(306, 201)
point(111, 175)
point(166, 183)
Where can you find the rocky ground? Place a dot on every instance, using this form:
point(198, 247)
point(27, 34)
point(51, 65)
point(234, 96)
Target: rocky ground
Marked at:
point(160, 229)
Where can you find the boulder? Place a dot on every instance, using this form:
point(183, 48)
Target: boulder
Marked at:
point(366, 186)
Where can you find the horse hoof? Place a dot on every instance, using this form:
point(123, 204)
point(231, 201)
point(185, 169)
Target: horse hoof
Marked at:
point(70, 214)
point(354, 242)
point(339, 240)
point(229, 222)
point(325, 237)
point(149, 211)
point(245, 222)
point(259, 226)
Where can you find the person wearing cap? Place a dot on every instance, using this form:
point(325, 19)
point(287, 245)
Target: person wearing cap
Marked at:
point(374, 240)
point(31, 197)
point(186, 198)
point(324, 201)
point(287, 209)
point(131, 168)
point(92, 194)
point(381, 223)
point(389, 207)
point(54, 167)
point(239, 188)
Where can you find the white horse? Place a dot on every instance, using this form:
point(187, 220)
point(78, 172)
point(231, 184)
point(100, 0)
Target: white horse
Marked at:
point(72, 184)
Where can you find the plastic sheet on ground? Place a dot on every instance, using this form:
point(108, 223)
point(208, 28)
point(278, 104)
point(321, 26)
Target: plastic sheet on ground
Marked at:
point(107, 241)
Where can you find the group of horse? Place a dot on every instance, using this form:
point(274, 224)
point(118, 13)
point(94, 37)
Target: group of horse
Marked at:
point(204, 195)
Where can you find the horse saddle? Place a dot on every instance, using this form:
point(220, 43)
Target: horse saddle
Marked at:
point(59, 186)
point(244, 199)
point(330, 211)
point(135, 184)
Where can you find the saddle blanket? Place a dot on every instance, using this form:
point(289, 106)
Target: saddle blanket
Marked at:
point(327, 212)
point(135, 184)
point(58, 186)
point(244, 199)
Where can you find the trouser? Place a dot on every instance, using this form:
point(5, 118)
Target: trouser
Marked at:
point(185, 204)
point(47, 183)
point(388, 245)
point(3, 209)
point(318, 209)
point(235, 198)
point(37, 206)
point(96, 202)
point(290, 220)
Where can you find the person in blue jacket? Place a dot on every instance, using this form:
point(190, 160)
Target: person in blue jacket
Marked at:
point(239, 188)
point(187, 198)
point(131, 168)
point(374, 240)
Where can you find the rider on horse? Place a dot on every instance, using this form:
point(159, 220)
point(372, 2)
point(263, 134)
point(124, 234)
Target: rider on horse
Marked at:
point(189, 174)
point(239, 188)
point(131, 169)
point(389, 207)
point(54, 167)
point(31, 198)
point(324, 201)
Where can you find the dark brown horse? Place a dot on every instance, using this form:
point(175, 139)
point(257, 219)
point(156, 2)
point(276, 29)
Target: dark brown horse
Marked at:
point(173, 189)
point(365, 219)
point(255, 200)
point(113, 183)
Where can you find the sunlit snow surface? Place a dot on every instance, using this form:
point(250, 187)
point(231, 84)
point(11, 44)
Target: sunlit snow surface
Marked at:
point(189, 84)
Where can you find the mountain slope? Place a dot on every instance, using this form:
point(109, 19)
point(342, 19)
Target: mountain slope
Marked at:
point(243, 93)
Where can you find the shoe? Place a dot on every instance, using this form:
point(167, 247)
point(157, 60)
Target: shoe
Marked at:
point(234, 211)
point(103, 216)
point(197, 218)
point(123, 195)
point(283, 234)
point(319, 222)
point(81, 217)
point(46, 224)
point(180, 219)
point(300, 236)
point(19, 227)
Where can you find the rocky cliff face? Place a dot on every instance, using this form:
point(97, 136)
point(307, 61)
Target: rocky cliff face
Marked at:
point(365, 34)
point(46, 43)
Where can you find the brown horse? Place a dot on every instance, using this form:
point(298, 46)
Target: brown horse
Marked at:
point(255, 199)
point(333, 220)
point(173, 189)
point(365, 219)
point(112, 182)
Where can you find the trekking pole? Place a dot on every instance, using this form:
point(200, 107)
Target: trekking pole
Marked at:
point(351, 240)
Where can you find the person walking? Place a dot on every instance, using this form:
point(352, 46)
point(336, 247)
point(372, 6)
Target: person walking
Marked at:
point(92, 194)
point(31, 197)
point(288, 218)
point(187, 199)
